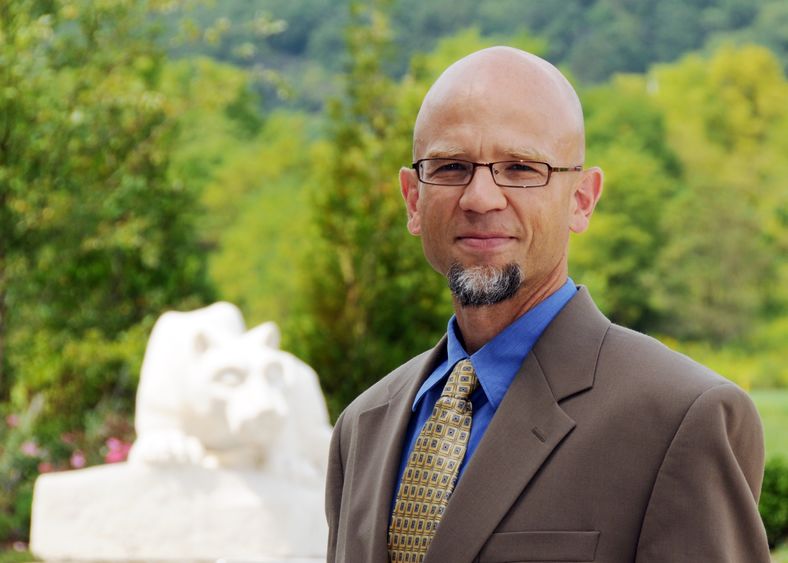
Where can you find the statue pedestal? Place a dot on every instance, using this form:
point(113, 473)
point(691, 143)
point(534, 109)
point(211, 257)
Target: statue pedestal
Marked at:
point(130, 512)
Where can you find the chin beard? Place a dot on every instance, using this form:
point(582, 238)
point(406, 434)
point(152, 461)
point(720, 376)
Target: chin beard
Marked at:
point(477, 286)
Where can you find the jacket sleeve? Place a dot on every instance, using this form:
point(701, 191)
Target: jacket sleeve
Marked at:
point(334, 483)
point(704, 503)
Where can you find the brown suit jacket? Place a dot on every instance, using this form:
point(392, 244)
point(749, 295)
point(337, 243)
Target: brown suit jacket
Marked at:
point(607, 447)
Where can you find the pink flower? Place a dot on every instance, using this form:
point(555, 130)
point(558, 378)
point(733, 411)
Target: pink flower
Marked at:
point(117, 450)
point(30, 448)
point(12, 420)
point(77, 460)
point(45, 467)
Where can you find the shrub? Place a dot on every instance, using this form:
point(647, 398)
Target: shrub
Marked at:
point(105, 437)
point(774, 501)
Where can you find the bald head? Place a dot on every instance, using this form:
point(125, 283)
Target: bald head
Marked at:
point(503, 79)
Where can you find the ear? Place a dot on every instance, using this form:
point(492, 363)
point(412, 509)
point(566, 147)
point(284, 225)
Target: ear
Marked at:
point(266, 335)
point(584, 199)
point(409, 184)
point(201, 343)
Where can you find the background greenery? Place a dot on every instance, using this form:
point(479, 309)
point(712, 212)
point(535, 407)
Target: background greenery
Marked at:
point(164, 154)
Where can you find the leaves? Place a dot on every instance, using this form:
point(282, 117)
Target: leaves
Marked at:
point(97, 236)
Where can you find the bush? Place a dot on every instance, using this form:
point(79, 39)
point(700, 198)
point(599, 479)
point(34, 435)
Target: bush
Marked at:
point(774, 501)
point(104, 436)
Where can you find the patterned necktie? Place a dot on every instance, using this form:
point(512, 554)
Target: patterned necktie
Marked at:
point(431, 472)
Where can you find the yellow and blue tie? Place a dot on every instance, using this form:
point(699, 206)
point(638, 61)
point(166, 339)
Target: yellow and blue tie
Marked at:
point(431, 471)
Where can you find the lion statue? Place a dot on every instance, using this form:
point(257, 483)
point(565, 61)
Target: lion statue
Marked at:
point(229, 461)
point(215, 395)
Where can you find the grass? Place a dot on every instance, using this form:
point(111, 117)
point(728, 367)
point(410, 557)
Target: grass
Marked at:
point(11, 555)
point(773, 407)
point(780, 555)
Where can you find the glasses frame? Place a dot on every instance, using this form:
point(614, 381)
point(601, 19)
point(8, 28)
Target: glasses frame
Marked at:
point(489, 165)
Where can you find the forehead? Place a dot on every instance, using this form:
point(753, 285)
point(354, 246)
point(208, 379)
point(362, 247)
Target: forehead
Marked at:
point(481, 128)
point(496, 107)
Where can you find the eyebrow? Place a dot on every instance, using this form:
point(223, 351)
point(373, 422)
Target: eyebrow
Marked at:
point(449, 151)
point(521, 152)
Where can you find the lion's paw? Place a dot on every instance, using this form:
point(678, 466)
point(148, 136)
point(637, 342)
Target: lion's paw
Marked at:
point(168, 447)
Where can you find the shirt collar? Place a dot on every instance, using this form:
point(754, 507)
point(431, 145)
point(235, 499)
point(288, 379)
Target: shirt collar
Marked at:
point(497, 362)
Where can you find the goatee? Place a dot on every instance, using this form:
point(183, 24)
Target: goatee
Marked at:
point(478, 286)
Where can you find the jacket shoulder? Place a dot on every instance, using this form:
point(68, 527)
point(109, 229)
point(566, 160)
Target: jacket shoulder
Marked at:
point(652, 364)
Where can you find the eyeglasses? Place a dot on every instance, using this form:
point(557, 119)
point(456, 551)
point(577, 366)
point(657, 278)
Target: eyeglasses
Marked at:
point(506, 173)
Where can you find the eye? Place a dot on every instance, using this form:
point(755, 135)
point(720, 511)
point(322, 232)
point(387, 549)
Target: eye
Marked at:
point(229, 377)
point(451, 166)
point(520, 173)
point(518, 167)
point(446, 171)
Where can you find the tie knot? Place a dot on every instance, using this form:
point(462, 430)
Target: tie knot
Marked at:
point(462, 381)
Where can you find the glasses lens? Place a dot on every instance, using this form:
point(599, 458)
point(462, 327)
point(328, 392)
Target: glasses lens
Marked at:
point(520, 173)
point(445, 171)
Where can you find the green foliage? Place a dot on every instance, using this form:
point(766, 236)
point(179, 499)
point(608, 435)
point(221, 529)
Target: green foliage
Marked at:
point(593, 38)
point(260, 237)
point(369, 300)
point(218, 114)
point(230, 31)
point(19, 468)
point(773, 505)
point(627, 139)
point(96, 233)
point(769, 28)
point(426, 67)
point(780, 554)
point(757, 362)
point(16, 556)
point(253, 173)
point(685, 239)
point(767, 345)
point(266, 37)
point(772, 407)
point(103, 436)
point(727, 114)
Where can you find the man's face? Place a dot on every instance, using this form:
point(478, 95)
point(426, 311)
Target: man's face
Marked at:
point(483, 224)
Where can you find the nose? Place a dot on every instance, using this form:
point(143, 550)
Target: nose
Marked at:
point(257, 402)
point(482, 194)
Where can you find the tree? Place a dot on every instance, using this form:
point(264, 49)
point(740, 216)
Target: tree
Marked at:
point(626, 136)
point(259, 200)
point(96, 235)
point(369, 301)
point(726, 117)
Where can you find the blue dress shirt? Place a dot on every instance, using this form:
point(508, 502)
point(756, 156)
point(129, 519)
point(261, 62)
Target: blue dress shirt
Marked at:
point(496, 363)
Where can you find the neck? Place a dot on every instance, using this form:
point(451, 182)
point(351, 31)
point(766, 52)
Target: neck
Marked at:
point(479, 325)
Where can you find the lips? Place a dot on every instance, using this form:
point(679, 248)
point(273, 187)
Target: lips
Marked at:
point(484, 241)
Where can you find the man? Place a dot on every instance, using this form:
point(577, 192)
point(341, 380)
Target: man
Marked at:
point(536, 430)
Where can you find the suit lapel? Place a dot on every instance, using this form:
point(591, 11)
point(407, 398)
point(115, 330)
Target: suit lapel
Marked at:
point(380, 434)
point(527, 427)
point(525, 430)
point(568, 349)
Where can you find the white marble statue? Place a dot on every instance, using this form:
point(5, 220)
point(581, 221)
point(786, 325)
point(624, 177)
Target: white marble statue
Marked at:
point(213, 395)
point(229, 461)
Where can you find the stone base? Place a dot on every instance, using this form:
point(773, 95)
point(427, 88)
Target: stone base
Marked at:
point(131, 512)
